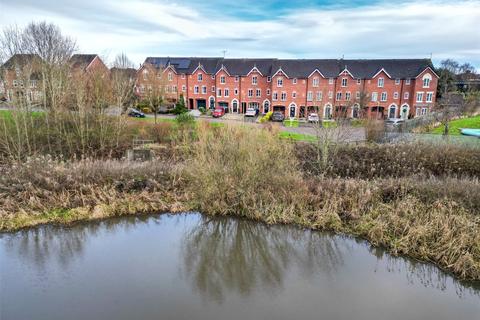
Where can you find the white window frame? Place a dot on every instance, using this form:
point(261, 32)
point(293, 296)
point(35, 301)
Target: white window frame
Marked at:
point(380, 82)
point(235, 91)
point(255, 80)
point(204, 89)
point(397, 81)
point(359, 81)
point(383, 96)
point(338, 96)
point(250, 93)
point(219, 92)
point(283, 96)
point(348, 96)
point(269, 79)
point(429, 97)
point(395, 95)
point(222, 79)
point(196, 89)
point(419, 95)
point(319, 96)
point(294, 81)
point(330, 80)
point(258, 92)
point(406, 95)
point(279, 82)
point(315, 82)
point(200, 77)
point(274, 96)
point(236, 78)
point(226, 92)
point(344, 82)
point(407, 82)
point(268, 92)
point(374, 97)
point(170, 76)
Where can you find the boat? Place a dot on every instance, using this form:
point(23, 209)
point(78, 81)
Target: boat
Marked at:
point(471, 132)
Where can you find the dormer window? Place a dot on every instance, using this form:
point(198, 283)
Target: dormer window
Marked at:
point(381, 82)
point(344, 82)
point(200, 77)
point(280, 82)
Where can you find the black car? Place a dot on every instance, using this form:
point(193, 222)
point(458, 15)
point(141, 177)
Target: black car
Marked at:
point(136, 113)
point(277, 116)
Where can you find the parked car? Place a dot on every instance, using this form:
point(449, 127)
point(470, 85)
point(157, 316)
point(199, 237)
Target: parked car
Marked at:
point(195, 113)
point(217, 113)
point(251, 112)
point(136, 113)
point(394, 122)
point(277, 116)
point(313, 117)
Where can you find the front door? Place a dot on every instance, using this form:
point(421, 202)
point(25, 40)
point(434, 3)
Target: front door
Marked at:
point(391, 112)
point(292, 111)
point(235, 106)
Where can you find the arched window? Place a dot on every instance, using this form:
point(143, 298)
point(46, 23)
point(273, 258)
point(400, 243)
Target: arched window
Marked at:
point(355, 111)
point(426, 80)
point(327, 113)
point(392, 111)
point(212, 103)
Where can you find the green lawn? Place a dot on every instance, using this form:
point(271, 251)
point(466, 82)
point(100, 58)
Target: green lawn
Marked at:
point(297, 136)
point(8, 114)
point(455, 125)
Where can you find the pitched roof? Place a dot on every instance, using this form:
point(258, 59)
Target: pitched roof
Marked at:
point(21, 59)
point(297, 68)
point(82, 60)
point(130, 72)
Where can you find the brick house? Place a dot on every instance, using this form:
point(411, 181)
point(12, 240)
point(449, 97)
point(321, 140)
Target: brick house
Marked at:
point(353, 88)
point(88, 63)
point(21, 78)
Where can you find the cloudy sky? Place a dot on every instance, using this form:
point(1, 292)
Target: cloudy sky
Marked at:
point(262, 28)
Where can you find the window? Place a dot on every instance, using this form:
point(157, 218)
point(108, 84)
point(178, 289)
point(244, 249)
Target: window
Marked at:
point(383, 97)
point(268, 92)
point(219, 92)
point(294, 80)
point(357, 95)
point(183, 76)
point(174, 89)
point(204, 89)
point(167, 89)
point(275, 96)
point(236, 78)
point(339, 96)
point(213, 77)
point(407, 82)
point(429, 97)
point(395, 95)
point(145, 74)
point(419, 96)
point(359, 81)
point(426, 80)
point(397, 81)
point(170, 76)
point(309, 96)
point(222, 79)
point(344, 82)
point(280, 82)
point(195, 89)
point(142, 88)
point(315, 82)
point(374, 96)
point(15, 83)
point(330, 81)
point(235, 91)
point(319, 95)
point(417, 112)
point(254, 80)
point(294, 94)
point(226, 93)
point(381, 82)
point(406, 95)
point(184, 88)
point(200, 77)
point(250, 93)
point(284, 96)
point(330, 94)
point(258, 93)
point(424, 111)
point(269, 79)
point(347, 96)
point(213, 88)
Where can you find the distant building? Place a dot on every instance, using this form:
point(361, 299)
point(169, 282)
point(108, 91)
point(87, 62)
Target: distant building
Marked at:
point(468, 81)
point(88, 63)
point(380, 89)
point(20, 78)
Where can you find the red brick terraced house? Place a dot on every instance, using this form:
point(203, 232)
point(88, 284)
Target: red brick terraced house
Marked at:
point(20, 78)
point(388, 88)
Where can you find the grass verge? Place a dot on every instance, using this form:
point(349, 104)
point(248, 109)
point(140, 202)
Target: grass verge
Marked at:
point(456, 125)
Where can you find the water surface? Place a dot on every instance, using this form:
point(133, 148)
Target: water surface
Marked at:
point(194, 267)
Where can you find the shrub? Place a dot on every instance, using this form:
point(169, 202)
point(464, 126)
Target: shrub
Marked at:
point(202, 110)
point(266, 117)
point(184, 119)
point(146, 110)
point(374, 130)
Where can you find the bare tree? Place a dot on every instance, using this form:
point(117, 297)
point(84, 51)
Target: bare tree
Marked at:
point(453, 105)
point(156, 88)
point(123, 81)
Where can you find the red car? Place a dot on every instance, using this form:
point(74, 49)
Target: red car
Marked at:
point(217, 113)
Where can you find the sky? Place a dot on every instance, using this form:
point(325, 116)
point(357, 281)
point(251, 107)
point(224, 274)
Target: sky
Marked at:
point(355, 29)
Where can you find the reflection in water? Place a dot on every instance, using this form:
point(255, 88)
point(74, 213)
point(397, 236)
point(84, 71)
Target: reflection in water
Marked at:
point(224, 254)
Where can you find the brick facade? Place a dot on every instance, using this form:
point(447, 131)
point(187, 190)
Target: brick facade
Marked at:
point(333, 88)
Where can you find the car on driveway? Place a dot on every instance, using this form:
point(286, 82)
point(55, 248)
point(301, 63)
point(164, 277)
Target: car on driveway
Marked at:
point(217, 113)
point(313, 117)
point(394, 122)
point(136, 113)
point(277, 116)
point(251, 112)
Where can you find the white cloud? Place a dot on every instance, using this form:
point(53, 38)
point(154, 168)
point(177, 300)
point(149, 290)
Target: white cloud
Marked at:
point(143, 28)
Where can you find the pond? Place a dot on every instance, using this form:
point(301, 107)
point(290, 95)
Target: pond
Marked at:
point(190, 266)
